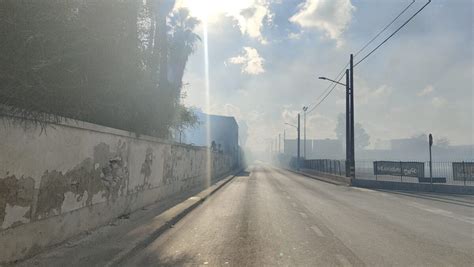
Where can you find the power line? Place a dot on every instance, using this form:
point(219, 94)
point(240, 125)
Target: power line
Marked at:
point(339, 77)
point(326, 93)
point(391, 35)
point(362, 49)
point(384, 29)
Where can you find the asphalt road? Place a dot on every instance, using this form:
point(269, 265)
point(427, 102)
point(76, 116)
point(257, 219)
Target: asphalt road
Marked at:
point(271, 217)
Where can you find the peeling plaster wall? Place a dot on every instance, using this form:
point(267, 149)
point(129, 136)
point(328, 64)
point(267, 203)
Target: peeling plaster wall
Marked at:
point(78, 176)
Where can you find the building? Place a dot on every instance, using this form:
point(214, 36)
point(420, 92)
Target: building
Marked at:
point(223, 130)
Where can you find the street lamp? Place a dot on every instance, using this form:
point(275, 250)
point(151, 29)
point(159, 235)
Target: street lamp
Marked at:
point(304, 131)
point(350, 151)
point(327, 79)
point(298, 143)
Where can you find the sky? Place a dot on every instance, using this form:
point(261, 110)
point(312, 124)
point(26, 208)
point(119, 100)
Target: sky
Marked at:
point(265, 57)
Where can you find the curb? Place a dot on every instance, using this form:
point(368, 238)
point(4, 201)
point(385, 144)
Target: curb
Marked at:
point(168, 218)
point(322, 179)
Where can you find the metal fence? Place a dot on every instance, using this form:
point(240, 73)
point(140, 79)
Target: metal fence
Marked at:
point(365, 170)
point(336, 167)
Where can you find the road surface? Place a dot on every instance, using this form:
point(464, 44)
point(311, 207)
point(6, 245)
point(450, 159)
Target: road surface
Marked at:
point(272, 217)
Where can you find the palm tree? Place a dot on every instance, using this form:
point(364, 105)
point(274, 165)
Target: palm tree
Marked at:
point(182, 40)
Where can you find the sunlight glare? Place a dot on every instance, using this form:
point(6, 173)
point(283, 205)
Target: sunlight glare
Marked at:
point(208, 103)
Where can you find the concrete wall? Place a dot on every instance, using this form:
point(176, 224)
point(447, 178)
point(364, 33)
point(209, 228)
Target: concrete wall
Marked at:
point(78, 176)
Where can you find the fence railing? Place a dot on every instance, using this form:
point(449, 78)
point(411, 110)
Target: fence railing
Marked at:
point(462, 174)
point(336, 167)
point(365, 170)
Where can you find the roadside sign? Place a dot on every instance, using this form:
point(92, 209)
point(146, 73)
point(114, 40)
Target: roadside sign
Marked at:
point(399, 168)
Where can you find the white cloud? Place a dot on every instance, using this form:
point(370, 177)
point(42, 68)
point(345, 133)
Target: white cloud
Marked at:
point(365, 95)
point(250, 60)
point(294, 36)
point(329, 16)
point(427, 90)
point(438, 102)
point(319, 126)
point(251, 20)
point(250, 15)
point(289, 116)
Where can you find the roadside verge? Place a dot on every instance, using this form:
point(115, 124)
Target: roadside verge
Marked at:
point(108, 245)
point(162, 222)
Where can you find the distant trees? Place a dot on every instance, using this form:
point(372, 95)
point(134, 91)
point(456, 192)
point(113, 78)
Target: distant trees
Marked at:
point(443, 142)
point(362, 138)
point(115, 63)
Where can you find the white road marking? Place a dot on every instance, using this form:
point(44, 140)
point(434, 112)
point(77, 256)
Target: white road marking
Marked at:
point(317, 230)
point(343, 260)
point(442, 212)
point(303, 215)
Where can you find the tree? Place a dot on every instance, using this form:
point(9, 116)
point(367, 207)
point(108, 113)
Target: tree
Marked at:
point(183, 41)
point(443, 142)
point(362, 138)
point(104, 62)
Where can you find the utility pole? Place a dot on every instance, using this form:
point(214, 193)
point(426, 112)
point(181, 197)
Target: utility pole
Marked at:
point(276, 145)
point(352, 117)
point(284, 138)
point(279, 143)
point(348, 126)
point(298, 163)
point(430, 142)
point(304, 131)
point(271, 147)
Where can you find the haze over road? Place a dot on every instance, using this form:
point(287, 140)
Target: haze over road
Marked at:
point(274, 217)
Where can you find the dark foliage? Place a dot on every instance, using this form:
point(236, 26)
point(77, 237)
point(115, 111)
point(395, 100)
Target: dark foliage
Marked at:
point(106, 62)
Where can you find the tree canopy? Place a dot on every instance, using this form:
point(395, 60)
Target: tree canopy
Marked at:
point(114, 63)
point(362, 138)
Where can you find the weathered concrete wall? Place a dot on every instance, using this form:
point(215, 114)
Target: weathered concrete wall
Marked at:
point(78, 176)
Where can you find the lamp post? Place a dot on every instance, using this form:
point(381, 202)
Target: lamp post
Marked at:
point(279, 143)
point(298, 143)
point(350, 151)
point(304, 131)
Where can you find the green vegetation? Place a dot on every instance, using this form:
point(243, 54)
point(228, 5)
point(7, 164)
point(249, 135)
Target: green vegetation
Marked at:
point(114, 63)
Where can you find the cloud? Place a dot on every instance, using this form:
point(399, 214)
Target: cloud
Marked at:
point(250, 15)
point(251, 20)
point(386, 86)
point(294, 36)
point(250, 60)
point(366, 95)
point(289, 115)
point(427, 90)
point(438, 102)
point(329, 16)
